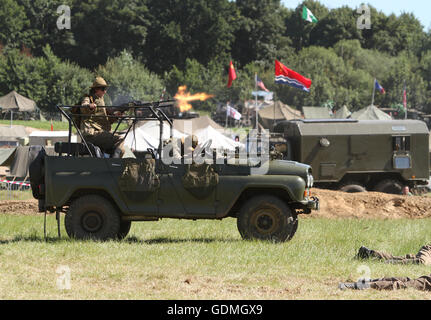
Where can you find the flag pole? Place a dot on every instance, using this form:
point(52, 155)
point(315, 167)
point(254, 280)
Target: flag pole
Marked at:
point(255, 101)
point(227, 112)
point(374, 91)
point(405, 100)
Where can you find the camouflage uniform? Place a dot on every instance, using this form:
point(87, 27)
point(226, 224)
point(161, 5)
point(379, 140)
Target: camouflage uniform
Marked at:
point(422, 257)
point(97, 130)
point(422, 283)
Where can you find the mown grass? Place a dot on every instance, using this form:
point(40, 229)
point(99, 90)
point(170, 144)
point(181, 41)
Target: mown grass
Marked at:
point(179, 259)
point(7, 194)
point(46, 125)
point(37, 124)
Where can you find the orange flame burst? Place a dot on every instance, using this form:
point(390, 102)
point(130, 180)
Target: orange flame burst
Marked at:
point(184, 98)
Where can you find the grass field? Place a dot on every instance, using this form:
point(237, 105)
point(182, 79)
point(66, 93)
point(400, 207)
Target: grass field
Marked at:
point(41, 125)
point(179, 259)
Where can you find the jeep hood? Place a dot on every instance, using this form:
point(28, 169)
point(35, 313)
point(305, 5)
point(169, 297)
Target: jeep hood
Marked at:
point(285, 167)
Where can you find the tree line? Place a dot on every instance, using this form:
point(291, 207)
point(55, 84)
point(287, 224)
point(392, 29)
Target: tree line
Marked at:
point(144, 46)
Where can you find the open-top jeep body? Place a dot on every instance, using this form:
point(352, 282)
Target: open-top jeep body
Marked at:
point(101, 196)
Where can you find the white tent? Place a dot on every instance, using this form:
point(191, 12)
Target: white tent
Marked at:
point(219, 140)
point(147, 136)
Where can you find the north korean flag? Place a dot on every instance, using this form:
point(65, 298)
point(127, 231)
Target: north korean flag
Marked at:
point(284, 75)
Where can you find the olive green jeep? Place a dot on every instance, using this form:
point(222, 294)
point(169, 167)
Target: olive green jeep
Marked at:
point(101, 195)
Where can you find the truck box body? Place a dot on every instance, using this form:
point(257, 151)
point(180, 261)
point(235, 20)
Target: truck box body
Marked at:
point(368, 151)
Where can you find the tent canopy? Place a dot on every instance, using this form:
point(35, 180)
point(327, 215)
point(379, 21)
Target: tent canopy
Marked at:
point(277, 112)
point(219, 140)
point(147, 136)
point(342, 113)
point(190, 126)
point(18, 159)
point(316, 113)
point(13, 101)
point(370, 113)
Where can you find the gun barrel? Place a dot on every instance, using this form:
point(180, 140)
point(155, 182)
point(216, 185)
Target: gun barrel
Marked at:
point(133, 105)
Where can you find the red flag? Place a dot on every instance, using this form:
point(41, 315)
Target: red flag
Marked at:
point(232, 75)
point(284, 75)
point(52, 127)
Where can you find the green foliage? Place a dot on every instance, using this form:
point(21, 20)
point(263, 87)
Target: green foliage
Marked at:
point(260, 34)
point(134, 44)
point(195, 29)
point(45, 79)
point(339, 24)
point(104, 28)
point(12, 22)
point(129, 80)
point(299, 30)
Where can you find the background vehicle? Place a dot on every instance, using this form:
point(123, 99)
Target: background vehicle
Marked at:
point(102, 196)
point(356, 156)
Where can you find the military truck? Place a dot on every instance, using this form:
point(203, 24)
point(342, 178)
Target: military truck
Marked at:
point(101, 196)
point(355, 156)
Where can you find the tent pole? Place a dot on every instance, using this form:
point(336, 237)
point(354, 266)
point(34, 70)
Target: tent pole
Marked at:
point(255, 86)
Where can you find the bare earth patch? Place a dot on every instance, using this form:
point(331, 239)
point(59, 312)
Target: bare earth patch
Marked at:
point(336, 204)
point(21, 207)
point(333, 204)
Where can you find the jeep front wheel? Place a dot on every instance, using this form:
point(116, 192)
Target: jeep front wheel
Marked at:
point(266, 218)
point(92, 217)
point(124, 229)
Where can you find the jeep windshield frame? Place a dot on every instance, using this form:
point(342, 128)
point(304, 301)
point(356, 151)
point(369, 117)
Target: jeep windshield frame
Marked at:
point(156, 113)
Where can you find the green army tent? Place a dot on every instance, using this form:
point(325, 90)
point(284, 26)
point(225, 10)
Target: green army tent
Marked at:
point(15, 102)
point(277, 112)
point(370, 113)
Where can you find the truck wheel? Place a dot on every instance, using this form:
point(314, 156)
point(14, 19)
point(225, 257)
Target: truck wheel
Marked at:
point(266, 218)
point(352, 187)
point(92, 217)
point(124, 229)
point(389, 186)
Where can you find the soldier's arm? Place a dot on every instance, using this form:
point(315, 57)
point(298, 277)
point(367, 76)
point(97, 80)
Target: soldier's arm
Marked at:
point(91, 107)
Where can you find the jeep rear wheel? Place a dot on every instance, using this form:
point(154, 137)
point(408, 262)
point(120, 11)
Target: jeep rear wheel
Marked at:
point(266, 218)
point(92, 217)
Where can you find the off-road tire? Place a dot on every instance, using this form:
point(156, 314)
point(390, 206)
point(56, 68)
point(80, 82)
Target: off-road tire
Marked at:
point(92, 217)
point(352, 187)
point(124, 229)
point(266, 218)
point(391, 186)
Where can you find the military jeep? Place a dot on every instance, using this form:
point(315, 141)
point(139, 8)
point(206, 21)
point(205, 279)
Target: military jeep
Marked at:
point(101, 195)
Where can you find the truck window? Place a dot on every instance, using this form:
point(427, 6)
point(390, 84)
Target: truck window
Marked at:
point(401, 143)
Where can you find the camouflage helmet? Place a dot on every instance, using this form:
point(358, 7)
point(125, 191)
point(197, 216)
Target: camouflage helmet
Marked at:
point(98, 83)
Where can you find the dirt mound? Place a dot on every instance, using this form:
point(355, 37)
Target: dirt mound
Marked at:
point(333, 204)
point(19, 207)
point(336, 204)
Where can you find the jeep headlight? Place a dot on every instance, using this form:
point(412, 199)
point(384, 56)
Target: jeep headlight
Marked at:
point(310, 180)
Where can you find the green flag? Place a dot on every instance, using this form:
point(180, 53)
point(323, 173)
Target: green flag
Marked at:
point(307, 15)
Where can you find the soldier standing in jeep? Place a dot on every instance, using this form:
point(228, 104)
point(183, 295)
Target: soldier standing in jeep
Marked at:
point(97, 130)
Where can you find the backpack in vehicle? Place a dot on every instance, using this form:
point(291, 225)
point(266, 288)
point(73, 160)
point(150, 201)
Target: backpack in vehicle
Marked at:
point(139, 175)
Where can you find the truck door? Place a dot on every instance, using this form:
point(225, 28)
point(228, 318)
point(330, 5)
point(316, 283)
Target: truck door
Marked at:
point(401, 152)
